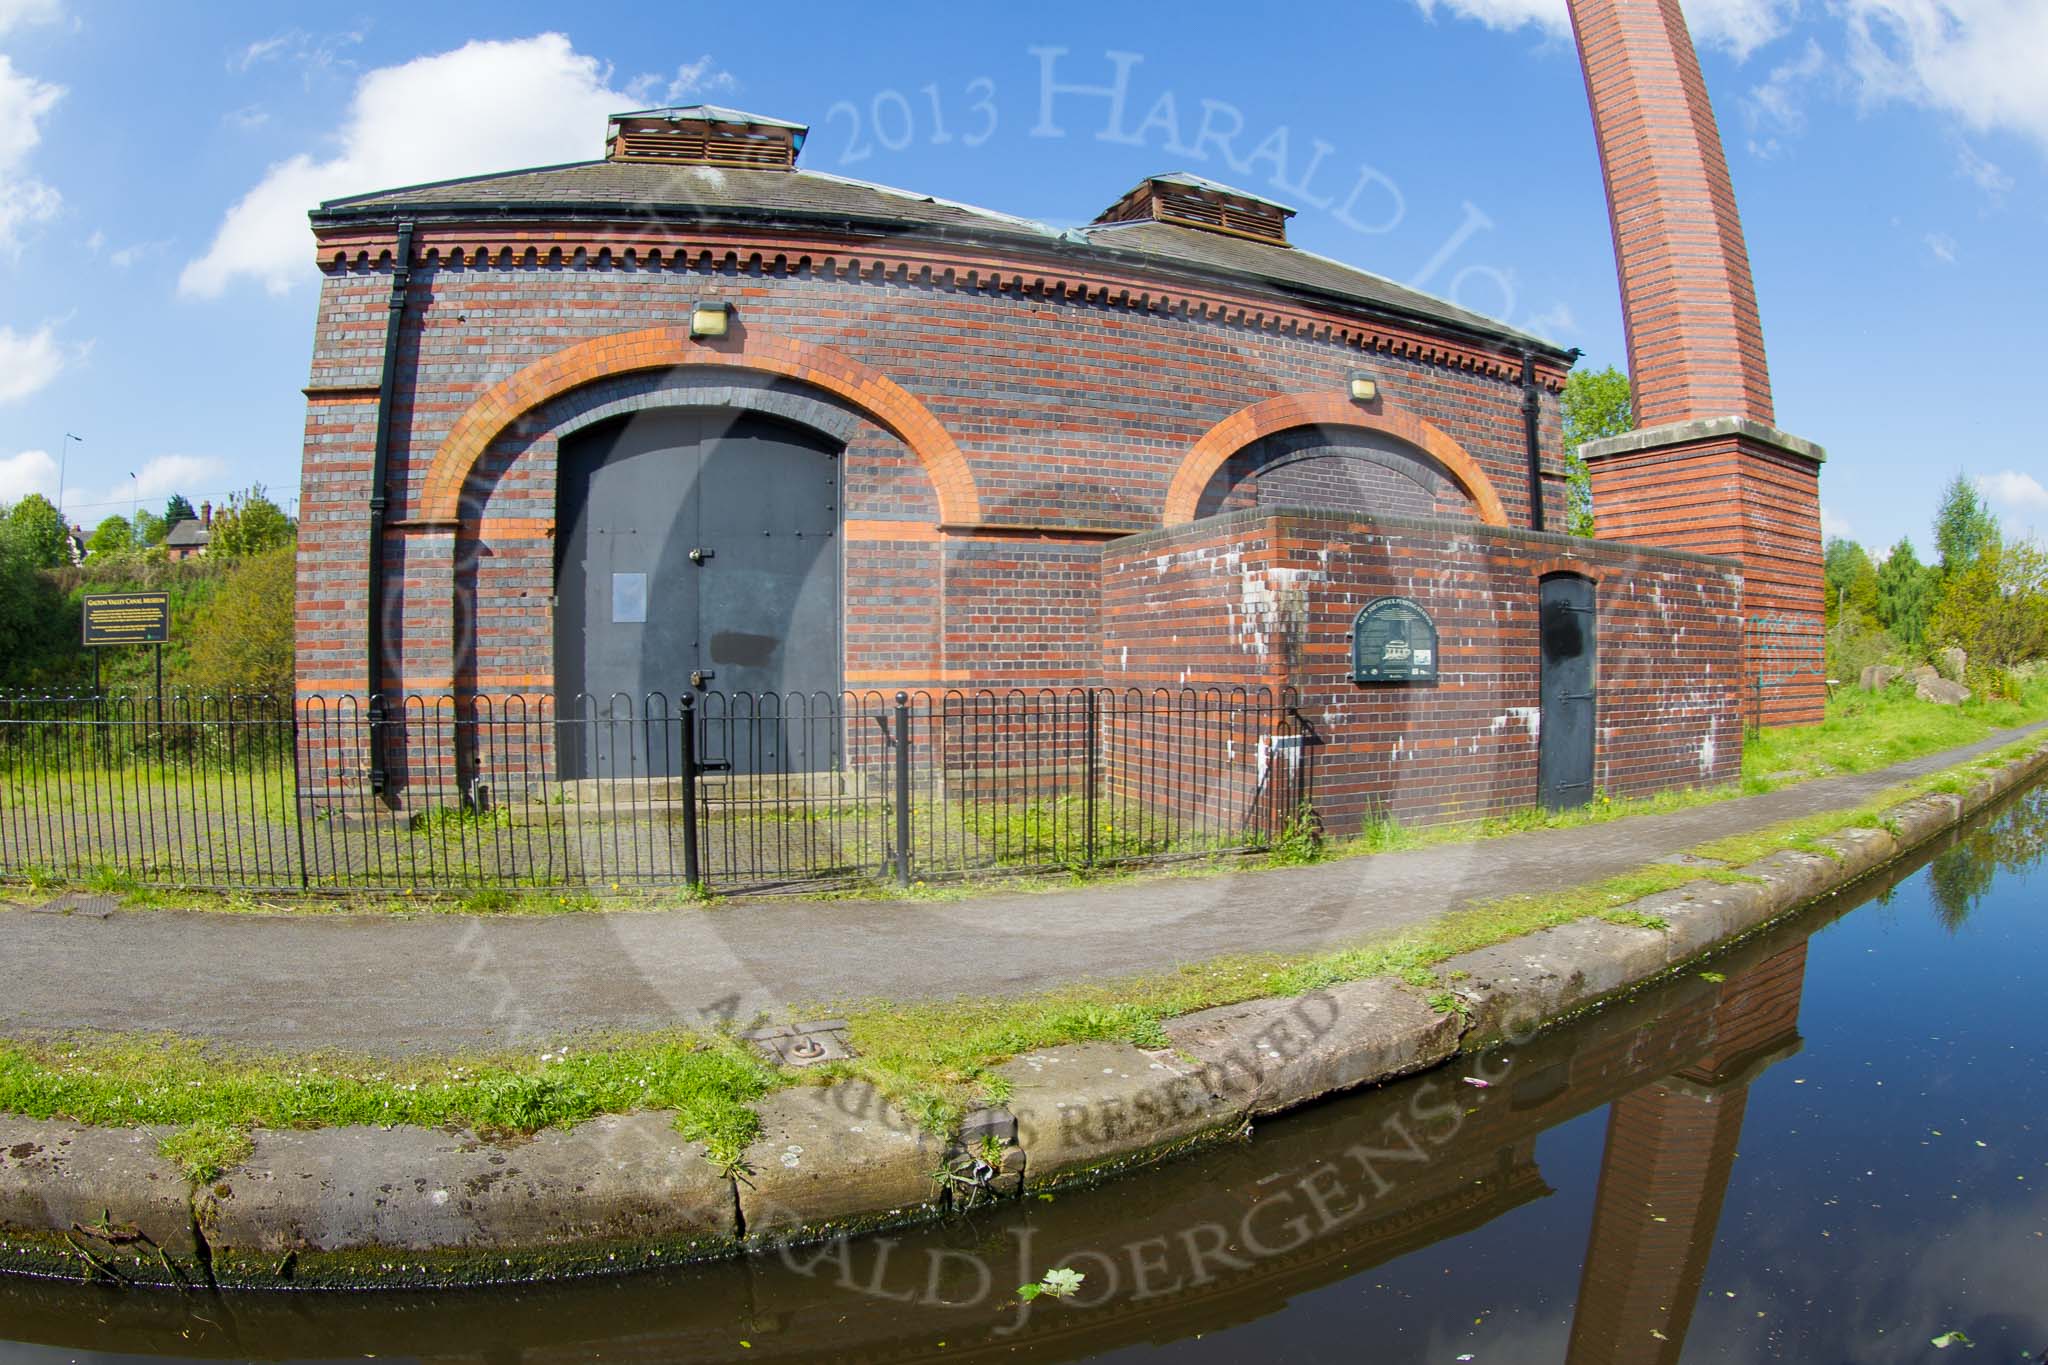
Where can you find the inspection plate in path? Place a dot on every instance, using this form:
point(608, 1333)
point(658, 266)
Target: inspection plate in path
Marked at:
point(79, 903)
point(822, 1040)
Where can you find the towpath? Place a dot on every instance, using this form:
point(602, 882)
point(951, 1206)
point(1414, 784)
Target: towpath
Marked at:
point(439, 983)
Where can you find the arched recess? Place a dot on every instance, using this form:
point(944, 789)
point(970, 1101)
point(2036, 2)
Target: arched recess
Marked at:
point(1291, 410)
point(667, 347)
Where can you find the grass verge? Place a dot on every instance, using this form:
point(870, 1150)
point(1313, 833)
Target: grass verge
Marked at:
point(710, 1081)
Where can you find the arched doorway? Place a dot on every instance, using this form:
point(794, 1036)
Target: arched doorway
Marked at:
point(696, 549)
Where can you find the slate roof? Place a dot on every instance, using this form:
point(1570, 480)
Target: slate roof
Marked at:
point(614, 189)
point(188, 531)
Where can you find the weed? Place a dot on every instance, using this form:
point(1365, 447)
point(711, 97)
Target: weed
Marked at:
point(1301, 841)
point(111, 882)
point(1635, 919)
point(206, 1149)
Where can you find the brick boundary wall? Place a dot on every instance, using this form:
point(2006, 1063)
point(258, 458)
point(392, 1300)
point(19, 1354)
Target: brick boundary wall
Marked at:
point(1269, 595)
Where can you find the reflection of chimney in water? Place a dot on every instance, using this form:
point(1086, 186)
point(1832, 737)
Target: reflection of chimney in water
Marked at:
point(1670, 1149)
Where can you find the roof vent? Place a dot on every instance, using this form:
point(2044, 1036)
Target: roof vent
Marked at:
point(1190, 201)
point(704, 135)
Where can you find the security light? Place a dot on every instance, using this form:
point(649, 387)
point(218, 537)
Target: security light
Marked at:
point(711, 319)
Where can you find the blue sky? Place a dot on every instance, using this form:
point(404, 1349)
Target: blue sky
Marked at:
point(156, 160)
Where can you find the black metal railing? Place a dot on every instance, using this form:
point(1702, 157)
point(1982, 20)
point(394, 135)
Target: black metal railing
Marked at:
point(725, 791)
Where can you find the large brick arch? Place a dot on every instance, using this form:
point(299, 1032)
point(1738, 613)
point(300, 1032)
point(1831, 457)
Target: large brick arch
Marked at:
point(1291, 410)
point(666, 347)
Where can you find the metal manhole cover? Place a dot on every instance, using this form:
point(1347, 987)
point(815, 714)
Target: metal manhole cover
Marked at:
point(79, 903)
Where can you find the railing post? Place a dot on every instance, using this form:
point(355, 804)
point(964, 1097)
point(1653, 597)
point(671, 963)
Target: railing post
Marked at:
point(1088, 774)
point(903, 789)
point(692, 871)
point(299, 801)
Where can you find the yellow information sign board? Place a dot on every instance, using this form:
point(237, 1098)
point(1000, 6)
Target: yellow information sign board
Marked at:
point(128, 618)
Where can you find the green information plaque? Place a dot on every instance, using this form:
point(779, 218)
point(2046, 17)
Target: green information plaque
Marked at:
point(1393, 641)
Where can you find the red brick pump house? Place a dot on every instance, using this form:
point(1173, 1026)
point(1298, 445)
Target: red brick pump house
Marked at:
point(692, 416)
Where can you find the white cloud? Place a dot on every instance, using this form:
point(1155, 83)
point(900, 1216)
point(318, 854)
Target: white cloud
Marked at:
point(486, 106)
point(699, 78)
point(2013, 489)
point(35, 471)
point(26, 472)
point(129, 255)
point(1985, 175)
point(1943, 246)
point(196, 476)
point(262, 50)
point(315, 52)
point(29, 361)
point(1777, 108)
point(24, 101)
point(1740, 26)
point(1977, 60)
point(1832, 525)
point(25, 12)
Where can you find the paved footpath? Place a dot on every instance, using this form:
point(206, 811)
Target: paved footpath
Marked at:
point(446, 983)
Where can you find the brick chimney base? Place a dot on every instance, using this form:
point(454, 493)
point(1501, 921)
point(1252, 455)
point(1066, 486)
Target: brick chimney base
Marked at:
point(1730, 486)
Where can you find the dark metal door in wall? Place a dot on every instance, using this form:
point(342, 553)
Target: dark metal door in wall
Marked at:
point(695, 550)
point(1564, 763)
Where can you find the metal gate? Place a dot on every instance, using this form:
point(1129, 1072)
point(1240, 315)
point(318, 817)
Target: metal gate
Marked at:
point(695, 549)
point(1569, 695)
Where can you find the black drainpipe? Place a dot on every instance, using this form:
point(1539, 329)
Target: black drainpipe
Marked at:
point(1532, 408)
point(394, 320)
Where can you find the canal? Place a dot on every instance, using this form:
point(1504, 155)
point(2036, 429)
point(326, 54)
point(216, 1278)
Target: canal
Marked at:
point(1830, 1143)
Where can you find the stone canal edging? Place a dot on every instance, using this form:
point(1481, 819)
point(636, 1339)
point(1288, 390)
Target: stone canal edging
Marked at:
point(364, 1206)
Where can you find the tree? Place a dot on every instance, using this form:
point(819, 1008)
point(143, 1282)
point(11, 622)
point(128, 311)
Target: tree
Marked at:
point(1963, 527)
point(242, 642)
point(150, 529)
point(1906, 592)
point(177, 509)
point(111, 538)
point(1996, 609)
point(1596, 404)
point(249, 525)
point(38, 532)
point(1851, 579)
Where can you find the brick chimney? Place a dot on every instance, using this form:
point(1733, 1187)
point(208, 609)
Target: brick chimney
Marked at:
point(206, 515)
point(1706, 468)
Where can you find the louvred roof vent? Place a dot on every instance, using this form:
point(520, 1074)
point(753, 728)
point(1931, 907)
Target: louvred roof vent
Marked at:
point(705, 135)
point(1190, 201)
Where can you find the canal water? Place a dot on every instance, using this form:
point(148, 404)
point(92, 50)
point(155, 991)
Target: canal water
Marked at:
point(1828, 1144)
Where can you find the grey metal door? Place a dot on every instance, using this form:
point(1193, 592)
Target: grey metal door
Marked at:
point(695, 550)
point(1570, 700)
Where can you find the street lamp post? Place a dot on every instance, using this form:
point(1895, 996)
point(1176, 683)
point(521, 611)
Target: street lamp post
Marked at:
point(63, 452)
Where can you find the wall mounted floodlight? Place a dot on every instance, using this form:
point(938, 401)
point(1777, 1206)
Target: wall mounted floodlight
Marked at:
point(1364, 388)
point(710, 319)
